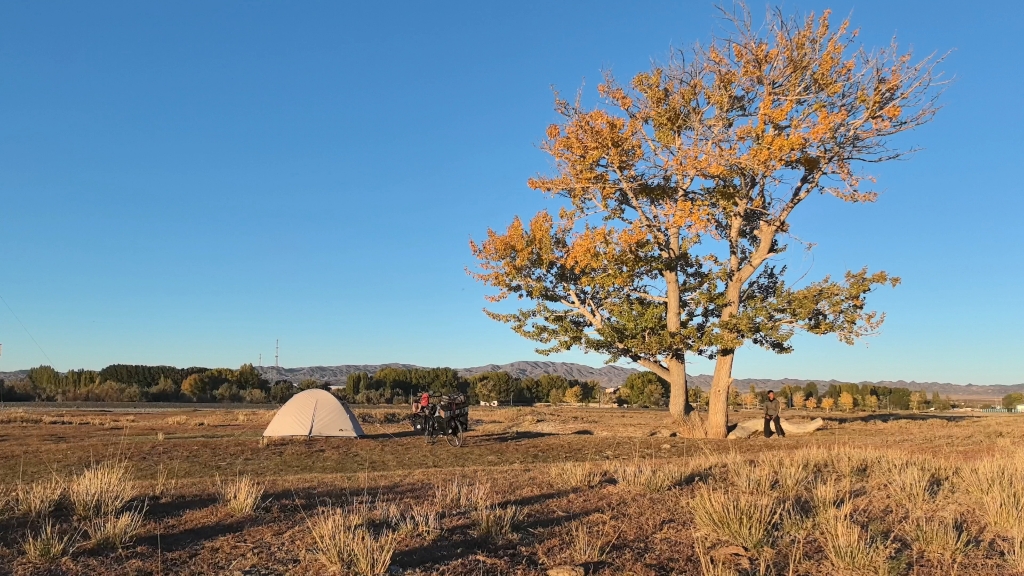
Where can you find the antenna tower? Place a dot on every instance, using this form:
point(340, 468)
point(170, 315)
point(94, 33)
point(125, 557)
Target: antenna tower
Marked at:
point(277, 349)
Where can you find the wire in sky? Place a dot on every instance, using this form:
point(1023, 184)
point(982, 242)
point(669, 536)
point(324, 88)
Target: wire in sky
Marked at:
point(26, 330)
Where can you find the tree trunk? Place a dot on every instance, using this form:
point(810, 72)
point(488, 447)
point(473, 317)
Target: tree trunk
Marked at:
point(718, 404)
point(678, 402)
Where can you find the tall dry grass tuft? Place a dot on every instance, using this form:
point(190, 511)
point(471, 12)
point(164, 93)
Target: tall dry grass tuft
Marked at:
point(371, 554)
point(827, 495)
point(590, 539)
point(576, 475)
point(791, 476)
point(426, 523)
point(48, 545)
point(39, 498)
point(343, 545)
point(740, 518)
point(752, 477)
point(164, 483)
point(852, 550)
point(332, 532)
point(996, 487)
point(942, 539)
point(240, 496)
point(458, 494)
point(102, 490)
point(495, 523)
point(115, 530)
point(650, 475)
point(908, 482)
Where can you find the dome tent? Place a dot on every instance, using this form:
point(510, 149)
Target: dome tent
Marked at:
point(314, 412)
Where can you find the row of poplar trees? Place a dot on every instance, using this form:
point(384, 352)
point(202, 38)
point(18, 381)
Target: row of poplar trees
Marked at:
point(677, 191)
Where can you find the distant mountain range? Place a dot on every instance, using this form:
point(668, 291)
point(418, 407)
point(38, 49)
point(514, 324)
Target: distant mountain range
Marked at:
point(611, 376)
point(608, 376)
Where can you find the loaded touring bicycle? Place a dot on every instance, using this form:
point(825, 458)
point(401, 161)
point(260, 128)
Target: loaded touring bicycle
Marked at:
point(448, 417)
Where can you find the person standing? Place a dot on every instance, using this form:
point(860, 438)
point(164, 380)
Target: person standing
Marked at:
point(771, 414)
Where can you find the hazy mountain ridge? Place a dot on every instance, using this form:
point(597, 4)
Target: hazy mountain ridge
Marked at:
point(15, 375)
point(608, 376)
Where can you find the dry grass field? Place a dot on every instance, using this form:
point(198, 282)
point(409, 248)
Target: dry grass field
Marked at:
point(590, 491)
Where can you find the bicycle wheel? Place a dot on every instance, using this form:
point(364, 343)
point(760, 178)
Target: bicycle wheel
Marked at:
point(430, 432)
point(455, 435)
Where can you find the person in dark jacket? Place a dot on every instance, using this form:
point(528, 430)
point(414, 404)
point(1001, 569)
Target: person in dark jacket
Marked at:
point(771, 414)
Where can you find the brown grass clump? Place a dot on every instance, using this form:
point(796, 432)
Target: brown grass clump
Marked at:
point(744, 519)
point(164, 483)
point(460, 495)
point(791, 477)
point(371, 554)
point(495, 523)
point(240, 496)
point(426, 523)
point(650, 475)
point(851, 550)
point(39, 498)
point(48, 544)
point(332, 532)
point(909, 483)
point(996, 486)
point(343, 545)
point(115, 530)
point(941, 539)
point(576, 475)
point(102, 490)
point(177, 420)
point(590, 539)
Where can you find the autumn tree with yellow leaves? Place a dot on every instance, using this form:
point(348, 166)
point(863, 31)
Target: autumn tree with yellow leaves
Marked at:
point(677, 192)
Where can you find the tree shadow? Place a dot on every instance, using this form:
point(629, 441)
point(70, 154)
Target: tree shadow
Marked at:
point(507, 437)
point(176, 506)
point(532, 500)
point(391, 435)
point(898, 416)
point(187, 537)
point(344, 496)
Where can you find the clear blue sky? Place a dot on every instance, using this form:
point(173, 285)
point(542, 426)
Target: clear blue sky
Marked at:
point(184, 182)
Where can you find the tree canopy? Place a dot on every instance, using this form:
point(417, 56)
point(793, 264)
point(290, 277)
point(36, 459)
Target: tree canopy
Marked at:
point(676, 195)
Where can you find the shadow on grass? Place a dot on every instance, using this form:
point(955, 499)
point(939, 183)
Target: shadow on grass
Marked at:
point(898, 416)
point(506, 437)
point(185, 538)
point(391, 435)
point(176, 506)
point(463, 542)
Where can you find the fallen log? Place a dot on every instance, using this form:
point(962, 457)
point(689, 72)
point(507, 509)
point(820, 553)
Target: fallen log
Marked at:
point(747, 427)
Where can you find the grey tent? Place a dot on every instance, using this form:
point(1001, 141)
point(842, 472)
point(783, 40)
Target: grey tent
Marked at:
point(314, 412)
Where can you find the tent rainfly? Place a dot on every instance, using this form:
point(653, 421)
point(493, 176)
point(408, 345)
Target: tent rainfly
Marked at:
point(314, 412)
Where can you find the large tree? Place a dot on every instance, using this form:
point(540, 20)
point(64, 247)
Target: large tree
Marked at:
point(678, 192)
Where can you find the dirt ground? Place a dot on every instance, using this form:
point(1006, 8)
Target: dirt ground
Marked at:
point(179, 456)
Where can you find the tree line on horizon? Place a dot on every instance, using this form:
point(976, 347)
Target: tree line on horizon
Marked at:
point(391, 385)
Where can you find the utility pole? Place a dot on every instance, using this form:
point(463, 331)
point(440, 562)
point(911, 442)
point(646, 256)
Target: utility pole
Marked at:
point(261, 360)
point(277, 349)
